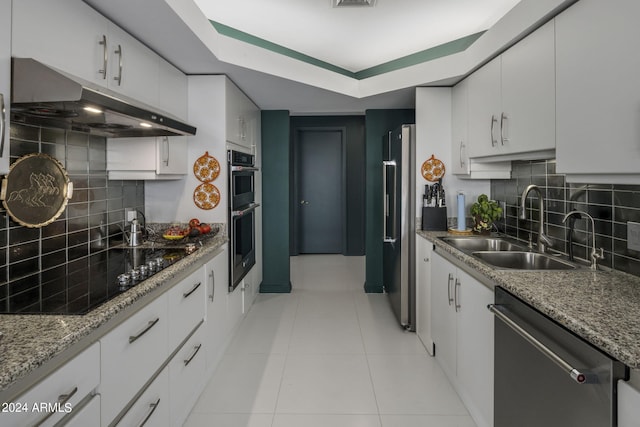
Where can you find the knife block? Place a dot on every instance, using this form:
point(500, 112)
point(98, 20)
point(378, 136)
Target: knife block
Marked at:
point(434, 219)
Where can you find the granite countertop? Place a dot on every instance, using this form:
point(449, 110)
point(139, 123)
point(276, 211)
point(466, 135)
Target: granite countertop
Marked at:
point(30, 341)
point(602, 307)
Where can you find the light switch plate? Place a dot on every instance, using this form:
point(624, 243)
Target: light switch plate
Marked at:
point(633, 236)
point(132, 214)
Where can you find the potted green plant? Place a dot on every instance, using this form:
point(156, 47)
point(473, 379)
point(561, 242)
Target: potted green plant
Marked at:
point(485, 212)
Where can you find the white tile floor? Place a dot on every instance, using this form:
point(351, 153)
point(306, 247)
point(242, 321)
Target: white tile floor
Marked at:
point(327, 354)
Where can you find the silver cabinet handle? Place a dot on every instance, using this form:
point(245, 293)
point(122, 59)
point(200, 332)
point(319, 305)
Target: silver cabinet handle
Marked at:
point(461, 157)
point(192, 290)
point(2, 124)
point(105, 57)
point(304, 202)
point(426, 259)
point(196, 349)
point(213, 284)
point(449, 288)
point(455, 295)
point(494, 120)
point(575, 374)
point(503, 120)
point(120, 54)
point(146, 329)
point(62, 400)
point(152, 409)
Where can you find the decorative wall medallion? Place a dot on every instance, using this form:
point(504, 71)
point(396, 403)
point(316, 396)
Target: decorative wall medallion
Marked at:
point(206, 196)
point(206, 168)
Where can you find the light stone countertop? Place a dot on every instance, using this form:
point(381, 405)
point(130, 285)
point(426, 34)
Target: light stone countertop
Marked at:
point(33, 344)
point(602, 307)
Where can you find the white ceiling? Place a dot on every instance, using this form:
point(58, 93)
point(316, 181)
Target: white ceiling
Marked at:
point(350, 37)
point(356, 38)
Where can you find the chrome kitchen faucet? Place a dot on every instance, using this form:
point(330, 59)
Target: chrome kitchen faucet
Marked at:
point(544, 241)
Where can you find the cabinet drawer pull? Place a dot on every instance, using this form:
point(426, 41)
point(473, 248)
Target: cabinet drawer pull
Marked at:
point(449, 288)
point(119, 53)
point(188, 294)
point(455, 294)
point(494, 120)
point(196, 349)
point(150, 325)
point(461, 156)
point(105, 57)
point(62, 400)
point(152, 409)
point(213, 284)
point(503, 121)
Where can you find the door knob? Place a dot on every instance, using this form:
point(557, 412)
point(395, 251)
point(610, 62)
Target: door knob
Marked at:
point(304, 202)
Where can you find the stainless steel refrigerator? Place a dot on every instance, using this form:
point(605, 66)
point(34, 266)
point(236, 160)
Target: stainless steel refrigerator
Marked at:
point(398, 178)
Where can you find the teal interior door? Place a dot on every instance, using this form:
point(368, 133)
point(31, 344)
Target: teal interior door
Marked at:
point(320, 192)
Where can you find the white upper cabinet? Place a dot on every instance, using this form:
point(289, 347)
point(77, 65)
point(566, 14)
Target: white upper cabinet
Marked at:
point(528, 93)
point(71, 36)
point(242, 117)
point(463, 166)
point(512, 101)
point(159, 158)
point(598, 94)
point(5, 83)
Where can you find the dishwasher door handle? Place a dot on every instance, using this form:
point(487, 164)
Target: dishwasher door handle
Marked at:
point(575, 374)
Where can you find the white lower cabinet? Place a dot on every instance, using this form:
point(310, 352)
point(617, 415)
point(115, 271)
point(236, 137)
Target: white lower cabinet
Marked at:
point(216, 324)
point(64, 388)
point(423, 292)
point(186, 375)
point(185, 307)
point(462, 332)
point(152, 407)
point(131, 354)
point(88, 415)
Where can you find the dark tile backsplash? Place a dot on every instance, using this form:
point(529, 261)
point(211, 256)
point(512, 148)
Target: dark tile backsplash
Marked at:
point(48, 266)
point(611, 207)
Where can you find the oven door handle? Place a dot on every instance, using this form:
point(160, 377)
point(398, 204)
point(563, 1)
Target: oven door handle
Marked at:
point(250, 208)
point(574, 373)
point(244, 169)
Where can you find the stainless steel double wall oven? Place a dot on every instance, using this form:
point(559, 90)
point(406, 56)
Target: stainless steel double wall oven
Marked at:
point(242, 223)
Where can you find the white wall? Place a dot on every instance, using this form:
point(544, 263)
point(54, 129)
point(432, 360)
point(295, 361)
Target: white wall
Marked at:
point(433, 136)
point(172, 201)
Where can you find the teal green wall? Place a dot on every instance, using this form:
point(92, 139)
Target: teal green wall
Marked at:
point(378, 123)
point(276, 277)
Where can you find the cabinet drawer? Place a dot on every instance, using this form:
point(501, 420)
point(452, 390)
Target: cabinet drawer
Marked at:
point(66, 387)
point(130, 355)
point(89, 415)
point(186, 307)
point(152, 407)
point(186, 376)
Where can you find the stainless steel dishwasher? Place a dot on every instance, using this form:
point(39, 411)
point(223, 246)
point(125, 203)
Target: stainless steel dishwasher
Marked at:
point(547, 376)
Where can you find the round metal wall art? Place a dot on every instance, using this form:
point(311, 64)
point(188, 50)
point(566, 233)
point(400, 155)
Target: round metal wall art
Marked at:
point(36, 190)
point(206, 169)
point(432, 169)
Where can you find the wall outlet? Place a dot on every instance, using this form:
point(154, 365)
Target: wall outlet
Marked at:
point(132, 214)
point(633, 236)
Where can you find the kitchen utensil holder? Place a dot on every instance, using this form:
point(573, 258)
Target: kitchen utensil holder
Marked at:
point(434, 218)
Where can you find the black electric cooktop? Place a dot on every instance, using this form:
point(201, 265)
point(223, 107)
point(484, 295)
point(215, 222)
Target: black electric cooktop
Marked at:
point(85, 285)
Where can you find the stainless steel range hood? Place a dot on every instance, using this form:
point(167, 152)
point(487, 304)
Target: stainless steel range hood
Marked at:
point(47, 97)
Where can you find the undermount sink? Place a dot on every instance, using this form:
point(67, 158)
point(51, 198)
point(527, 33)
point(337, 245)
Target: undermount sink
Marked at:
point(521, 260)
point(474, 244)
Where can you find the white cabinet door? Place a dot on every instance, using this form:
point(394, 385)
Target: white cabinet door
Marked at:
point(153, 407)
point(242, 117)
point(65, 34)
point(147, 158)
point(485, 110)
point(186, 377)
point(443, 314)
point(69, 385)
point(459, 121)
point(5, 83)
point(88, 415)
point(133, 67)
point(130, 354)
point(217, 275)
point(598, 92)
point(172, 96)
point(529, 93)
point(423, 292)
point(475, 348)
point(185, 307)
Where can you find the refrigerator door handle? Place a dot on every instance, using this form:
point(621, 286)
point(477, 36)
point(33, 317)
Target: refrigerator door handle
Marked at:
point(389, 207)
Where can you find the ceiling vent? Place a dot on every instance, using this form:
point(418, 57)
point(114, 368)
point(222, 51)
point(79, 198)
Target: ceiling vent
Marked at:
point(342, 3)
